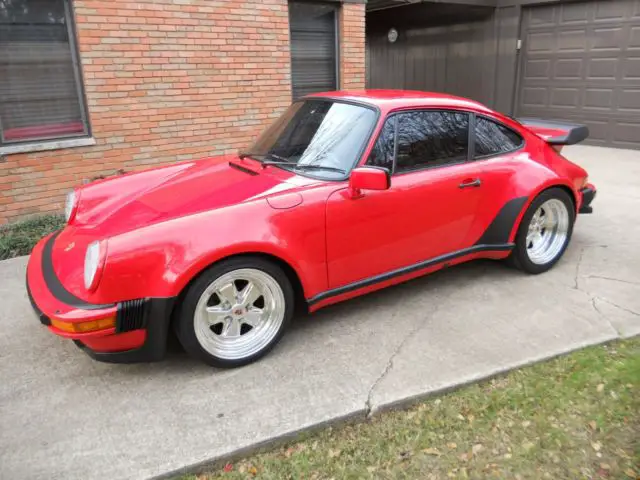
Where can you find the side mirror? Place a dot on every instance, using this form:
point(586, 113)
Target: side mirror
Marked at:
point(368, 178)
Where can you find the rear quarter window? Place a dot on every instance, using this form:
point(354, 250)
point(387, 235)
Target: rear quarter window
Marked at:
point(493, 138)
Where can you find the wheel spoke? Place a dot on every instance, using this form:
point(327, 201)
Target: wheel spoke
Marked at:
point(231, 328)
point(548, 221)
point(216, 314)
point(227, 293)
point(536, 217)
point(249, 294)
point(253, 316)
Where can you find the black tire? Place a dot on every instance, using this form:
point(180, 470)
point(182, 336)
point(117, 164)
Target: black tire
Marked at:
point(185, 321)
point(519, 257)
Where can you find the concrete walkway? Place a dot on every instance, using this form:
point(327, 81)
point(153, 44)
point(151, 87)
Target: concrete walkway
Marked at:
point(64, 416)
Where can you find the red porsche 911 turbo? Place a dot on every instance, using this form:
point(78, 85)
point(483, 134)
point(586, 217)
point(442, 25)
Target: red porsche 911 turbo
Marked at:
point(346, 193)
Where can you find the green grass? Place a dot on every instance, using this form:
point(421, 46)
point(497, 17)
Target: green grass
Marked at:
point(19, 238)
point(573, 417)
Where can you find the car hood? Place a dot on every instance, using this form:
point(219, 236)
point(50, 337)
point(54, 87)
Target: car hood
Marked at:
point(134, 200)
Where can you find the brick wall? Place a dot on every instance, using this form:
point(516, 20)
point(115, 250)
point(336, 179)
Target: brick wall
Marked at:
point(170, 80)
point(352, 51)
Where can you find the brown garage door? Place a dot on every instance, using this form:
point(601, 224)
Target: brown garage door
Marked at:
point(581, 61)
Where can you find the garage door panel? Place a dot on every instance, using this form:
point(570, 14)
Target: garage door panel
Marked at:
point(630, 100)
point(612, 10)
point(634, 41)
point(627, 133)
point(572, 40)
point(602, 69)
point(568, 69)
point(542, 17)
point(609, 38)
point(565, 98)
point(581, 62)
point(540, 69)
point(574, 13)
point(598, 99)
point(631, 68)
point(540, 42)
point(599, 130)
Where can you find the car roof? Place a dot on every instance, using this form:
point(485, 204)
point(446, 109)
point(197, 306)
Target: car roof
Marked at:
point(391, 99)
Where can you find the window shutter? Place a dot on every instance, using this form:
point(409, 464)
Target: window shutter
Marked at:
point(313, 48)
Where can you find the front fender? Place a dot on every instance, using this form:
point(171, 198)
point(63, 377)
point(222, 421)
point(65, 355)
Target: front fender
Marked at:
point(161, 259)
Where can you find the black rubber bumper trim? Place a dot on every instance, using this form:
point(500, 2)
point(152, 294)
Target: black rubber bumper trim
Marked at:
point(158, 318)
point(55, 286)
point(41, 316)
point(588, 194)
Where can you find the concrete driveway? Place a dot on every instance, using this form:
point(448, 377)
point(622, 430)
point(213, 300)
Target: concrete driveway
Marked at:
point(63, 415)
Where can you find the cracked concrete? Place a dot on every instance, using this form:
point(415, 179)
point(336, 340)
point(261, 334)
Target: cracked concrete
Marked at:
point(63, 415)
point(369, 408)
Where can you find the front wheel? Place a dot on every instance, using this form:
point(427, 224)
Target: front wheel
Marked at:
point(235, 312)
point(544, 232)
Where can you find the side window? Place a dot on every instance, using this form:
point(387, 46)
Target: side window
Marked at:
point(493, 138)
point(431, 138)
point(382, 153)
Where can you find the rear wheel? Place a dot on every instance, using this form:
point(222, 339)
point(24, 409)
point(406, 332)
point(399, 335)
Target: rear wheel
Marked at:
point(544, 232)
point(235, 312)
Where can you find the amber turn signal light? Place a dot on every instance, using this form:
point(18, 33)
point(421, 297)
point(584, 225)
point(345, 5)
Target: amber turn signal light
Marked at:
point(83, 327)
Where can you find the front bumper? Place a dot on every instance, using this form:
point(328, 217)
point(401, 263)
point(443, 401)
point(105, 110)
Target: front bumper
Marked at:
point(140, 333)
point(588, 194)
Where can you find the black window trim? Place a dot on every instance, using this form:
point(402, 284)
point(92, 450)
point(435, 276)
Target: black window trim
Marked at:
point(473, 158)
point(395, 138)
point(364, 146)
point(70, 21)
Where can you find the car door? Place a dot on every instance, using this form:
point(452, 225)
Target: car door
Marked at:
point(427, 211)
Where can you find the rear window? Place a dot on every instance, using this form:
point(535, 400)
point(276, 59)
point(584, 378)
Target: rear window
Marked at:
point(492, 138)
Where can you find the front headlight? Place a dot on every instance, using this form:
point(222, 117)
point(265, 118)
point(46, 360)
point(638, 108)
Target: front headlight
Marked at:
point(70, 205)
point(93, 264)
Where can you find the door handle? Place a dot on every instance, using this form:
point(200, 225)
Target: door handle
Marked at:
point(470, 183)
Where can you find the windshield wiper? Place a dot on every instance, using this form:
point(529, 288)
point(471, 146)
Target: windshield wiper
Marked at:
point(265, 159)
point(303, 166)
point(261, 157)
point(319, 167)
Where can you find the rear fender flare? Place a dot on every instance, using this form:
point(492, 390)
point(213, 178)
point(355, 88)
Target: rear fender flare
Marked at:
point(555, 183)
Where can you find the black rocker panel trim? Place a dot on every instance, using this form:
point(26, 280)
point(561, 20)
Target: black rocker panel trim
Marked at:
point(55, 286)
point(500, 227)
point(409, 269)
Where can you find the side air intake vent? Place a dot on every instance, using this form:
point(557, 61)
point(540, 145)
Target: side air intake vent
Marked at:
point(131, 315)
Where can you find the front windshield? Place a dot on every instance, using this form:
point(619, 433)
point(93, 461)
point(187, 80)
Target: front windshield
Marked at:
point(319, 137)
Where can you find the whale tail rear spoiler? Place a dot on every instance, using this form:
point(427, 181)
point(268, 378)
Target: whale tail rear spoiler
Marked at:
point(556, 133)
